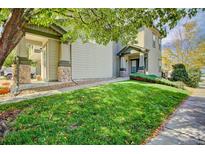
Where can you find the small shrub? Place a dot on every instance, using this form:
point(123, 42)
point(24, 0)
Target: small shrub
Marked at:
point(194, 78)
point(179, 73)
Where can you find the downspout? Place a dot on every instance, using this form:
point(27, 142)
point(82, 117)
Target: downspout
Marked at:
point(71, 65)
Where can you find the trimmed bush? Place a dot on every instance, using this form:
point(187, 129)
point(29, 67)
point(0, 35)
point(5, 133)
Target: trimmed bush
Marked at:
point(155, 79)
point(179, 73)
point(194, 78)
point(191, 77)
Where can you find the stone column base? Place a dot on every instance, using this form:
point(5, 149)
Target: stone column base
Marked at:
point(64, 73)
point(24, 73)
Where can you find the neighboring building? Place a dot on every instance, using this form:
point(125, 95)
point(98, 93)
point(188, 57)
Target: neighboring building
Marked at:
point(65, 61)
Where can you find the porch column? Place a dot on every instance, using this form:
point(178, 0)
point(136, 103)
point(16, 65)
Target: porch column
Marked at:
point(64, 65)
point(141, 63)
point(22, 68)
point(123, 66)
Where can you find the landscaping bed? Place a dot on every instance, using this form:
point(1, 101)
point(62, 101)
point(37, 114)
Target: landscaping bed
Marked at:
point(4, 90)
point(4, 87)
point(125, 112)
point(155, 79)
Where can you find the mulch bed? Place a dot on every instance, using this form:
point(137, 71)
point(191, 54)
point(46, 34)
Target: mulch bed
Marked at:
point(9, 115)
point(6, 117)
point(4, 87)
point(58, 86)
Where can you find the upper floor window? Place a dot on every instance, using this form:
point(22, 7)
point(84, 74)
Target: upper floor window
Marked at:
point(160, 44)
point(154, 41)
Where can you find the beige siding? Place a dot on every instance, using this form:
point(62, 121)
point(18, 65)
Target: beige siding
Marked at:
point(44, 63)
point(53, 56)
point(21, 48)
point(154, 54)
point(92, 60)
point(141, 37)
point(116, 59)
point(64, 52)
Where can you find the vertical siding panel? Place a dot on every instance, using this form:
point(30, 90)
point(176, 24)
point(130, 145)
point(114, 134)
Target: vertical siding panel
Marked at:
point(53, 56)
point(154, 53)
point(92, 60)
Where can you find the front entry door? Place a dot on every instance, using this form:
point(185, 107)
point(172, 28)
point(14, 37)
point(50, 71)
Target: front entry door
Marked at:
point(134, 65)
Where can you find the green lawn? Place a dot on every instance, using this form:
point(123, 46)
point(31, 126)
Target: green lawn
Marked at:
point(119, 113)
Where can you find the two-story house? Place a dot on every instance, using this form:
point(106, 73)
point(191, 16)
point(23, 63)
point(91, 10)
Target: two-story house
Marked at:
point(57, 61)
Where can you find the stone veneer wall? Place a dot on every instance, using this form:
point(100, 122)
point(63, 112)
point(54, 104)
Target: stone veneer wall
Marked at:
point(24, 73)
point(64, 73)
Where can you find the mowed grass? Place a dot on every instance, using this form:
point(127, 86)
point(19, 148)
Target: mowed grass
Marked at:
point(118, 113)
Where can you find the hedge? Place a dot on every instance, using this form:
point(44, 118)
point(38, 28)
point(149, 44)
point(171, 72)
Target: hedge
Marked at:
point(155, 79)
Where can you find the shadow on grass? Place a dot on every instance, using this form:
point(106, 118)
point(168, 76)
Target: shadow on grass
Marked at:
point(118, 113)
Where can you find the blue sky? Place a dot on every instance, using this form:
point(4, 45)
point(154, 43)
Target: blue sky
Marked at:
point(199, 18)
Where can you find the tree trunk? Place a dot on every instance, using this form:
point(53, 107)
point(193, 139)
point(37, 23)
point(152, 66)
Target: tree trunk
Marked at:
point(12, 33)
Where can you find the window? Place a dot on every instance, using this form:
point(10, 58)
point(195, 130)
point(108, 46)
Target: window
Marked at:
point(146, 63)
point(160, 44)
point(153, 40)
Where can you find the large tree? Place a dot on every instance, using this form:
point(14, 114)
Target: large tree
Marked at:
point(185, 48)
point(101, 25)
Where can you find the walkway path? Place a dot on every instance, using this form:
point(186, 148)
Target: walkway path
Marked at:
point(187, 125)
point(58, 91)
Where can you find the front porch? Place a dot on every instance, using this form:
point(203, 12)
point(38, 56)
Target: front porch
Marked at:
point(133, 59)
point(41, 56)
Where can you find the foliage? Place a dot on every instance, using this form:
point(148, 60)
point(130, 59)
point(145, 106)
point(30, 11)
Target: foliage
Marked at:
point(103, 25)
point(4, 90)
point(10, 59)
point(141, 75)
point(155, 79)
point(4, 13)
point(194, 78)
point(179, 73)
point(191, 77)
point(119, 113)
point(167, 60)
point(185, 48)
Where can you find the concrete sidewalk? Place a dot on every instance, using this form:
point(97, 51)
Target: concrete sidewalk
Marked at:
point(58, 91)
point(187, 124)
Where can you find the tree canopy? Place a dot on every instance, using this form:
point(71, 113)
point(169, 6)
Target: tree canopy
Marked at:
point(100, 25)
point(185, 48)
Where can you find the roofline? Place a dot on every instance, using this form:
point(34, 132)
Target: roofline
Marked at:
point(135, 47)
point(59, 31)
point(155, 29)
